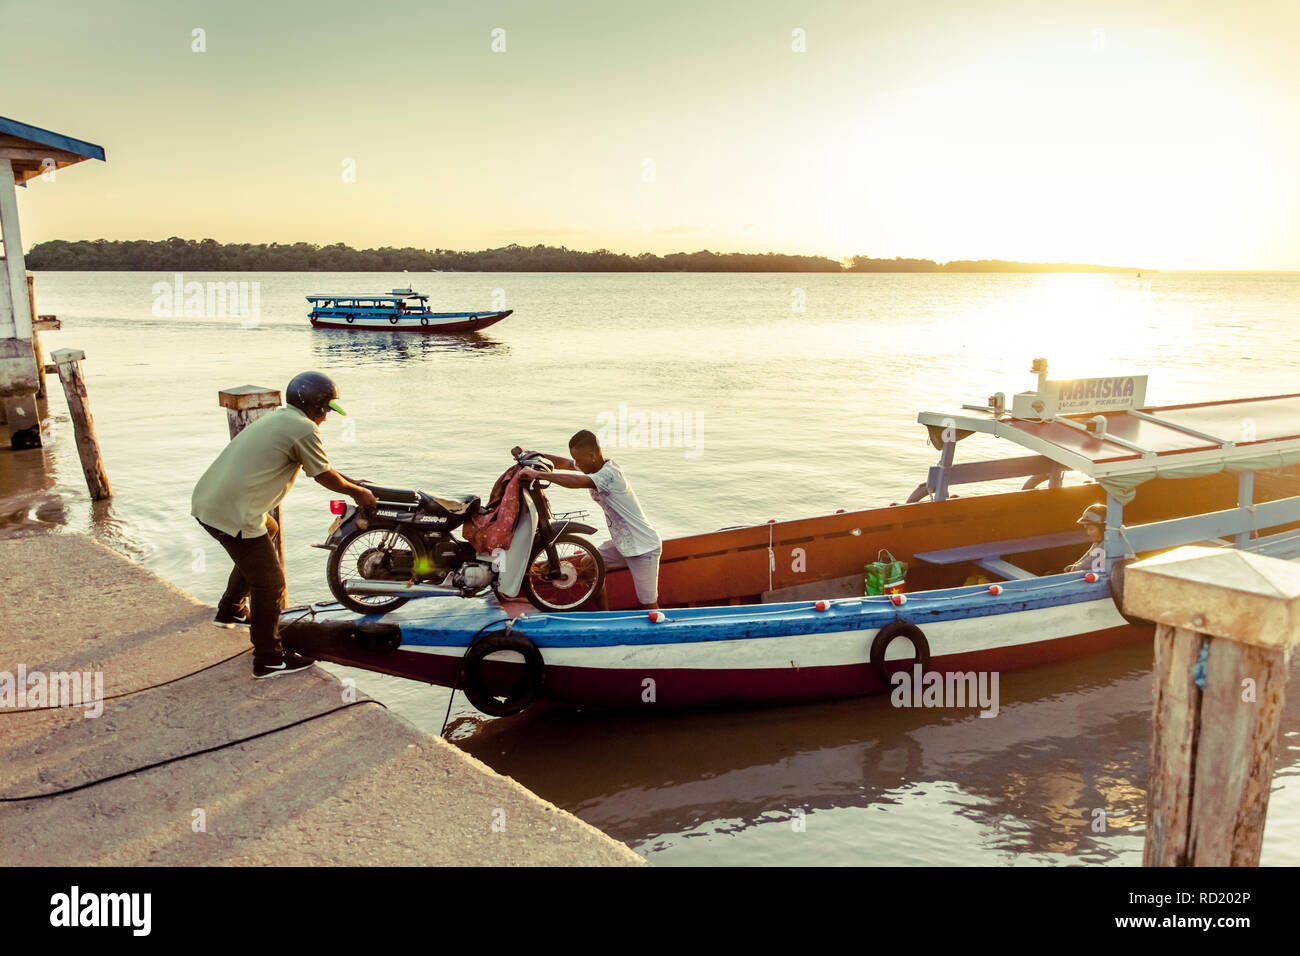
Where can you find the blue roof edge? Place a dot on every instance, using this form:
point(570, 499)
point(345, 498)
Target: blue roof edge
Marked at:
point(48, 138)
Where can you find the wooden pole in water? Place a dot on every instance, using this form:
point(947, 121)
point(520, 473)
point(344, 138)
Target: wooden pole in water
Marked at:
point(1227, 621)
point(37, 351)
point(244, 405)
point(68, 362)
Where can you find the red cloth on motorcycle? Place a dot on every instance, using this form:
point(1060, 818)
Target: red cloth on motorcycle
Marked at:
point(494, 526)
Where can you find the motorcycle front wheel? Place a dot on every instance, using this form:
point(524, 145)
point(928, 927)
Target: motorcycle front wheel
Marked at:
point(363, 555)
point(575, 589)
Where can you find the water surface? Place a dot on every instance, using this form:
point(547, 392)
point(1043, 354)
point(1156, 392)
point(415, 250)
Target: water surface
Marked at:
point(799, 413)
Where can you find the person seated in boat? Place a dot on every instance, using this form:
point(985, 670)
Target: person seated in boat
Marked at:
point(1093, 521)
point(634, 544)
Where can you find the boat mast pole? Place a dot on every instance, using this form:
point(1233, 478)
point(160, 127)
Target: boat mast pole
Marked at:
point(1115, 548)
point(945, 463)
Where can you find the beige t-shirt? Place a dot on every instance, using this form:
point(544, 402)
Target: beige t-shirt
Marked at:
point(256, 470)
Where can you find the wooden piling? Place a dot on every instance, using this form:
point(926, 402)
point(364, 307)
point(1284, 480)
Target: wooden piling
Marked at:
point(36, 337)
point(1227, 621)
point(244, 405)
point(46, 323)
point(68, 362)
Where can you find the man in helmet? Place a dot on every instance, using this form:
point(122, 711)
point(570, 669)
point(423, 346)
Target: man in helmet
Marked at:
point(233, 499)
point(1093, 521)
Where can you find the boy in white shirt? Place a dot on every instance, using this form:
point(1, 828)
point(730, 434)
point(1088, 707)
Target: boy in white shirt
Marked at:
point(1093, 521)
point(634, 545)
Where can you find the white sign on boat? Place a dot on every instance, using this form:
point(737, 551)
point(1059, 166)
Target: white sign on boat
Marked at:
point(1081, 396)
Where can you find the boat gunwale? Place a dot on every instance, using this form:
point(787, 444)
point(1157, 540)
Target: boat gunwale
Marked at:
point(750, 621)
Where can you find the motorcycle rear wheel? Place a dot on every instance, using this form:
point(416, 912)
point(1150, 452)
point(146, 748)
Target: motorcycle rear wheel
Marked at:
point(370, 603)
point(557, 596)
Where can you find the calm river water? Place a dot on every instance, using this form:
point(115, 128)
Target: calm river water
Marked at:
point(803, 390)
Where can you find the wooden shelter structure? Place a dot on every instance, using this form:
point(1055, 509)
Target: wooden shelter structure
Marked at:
point(26, 153)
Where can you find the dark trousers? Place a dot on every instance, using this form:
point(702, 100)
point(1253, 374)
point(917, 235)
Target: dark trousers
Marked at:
point(258, 578)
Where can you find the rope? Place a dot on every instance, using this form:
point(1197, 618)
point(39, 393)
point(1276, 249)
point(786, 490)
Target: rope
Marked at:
point(1202, 658)
point(771, 554)
point(128, 693)
point(837, 602)
point(1130, 553)
point(140, 690)
point(195, 753)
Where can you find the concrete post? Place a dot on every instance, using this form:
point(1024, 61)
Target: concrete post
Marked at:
point(244, 405)
point(1227, 621)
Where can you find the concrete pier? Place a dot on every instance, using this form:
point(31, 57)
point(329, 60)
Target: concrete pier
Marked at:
point(192, 762)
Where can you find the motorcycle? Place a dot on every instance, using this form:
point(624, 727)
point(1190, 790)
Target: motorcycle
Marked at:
point(383, 557)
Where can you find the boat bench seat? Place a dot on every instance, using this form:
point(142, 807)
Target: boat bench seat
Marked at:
point(1004, 569)
point(989, 555)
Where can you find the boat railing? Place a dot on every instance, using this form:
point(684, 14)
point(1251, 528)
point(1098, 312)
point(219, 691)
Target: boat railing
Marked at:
point(941, 476)
point(1284, 544)
point(1240, 523)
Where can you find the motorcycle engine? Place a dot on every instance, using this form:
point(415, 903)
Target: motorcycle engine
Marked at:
point(474, 576)
point(378, 565)
point(446, 552)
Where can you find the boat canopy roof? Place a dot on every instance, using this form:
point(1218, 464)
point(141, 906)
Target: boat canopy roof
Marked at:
point(1122, 449)
point(380, 297)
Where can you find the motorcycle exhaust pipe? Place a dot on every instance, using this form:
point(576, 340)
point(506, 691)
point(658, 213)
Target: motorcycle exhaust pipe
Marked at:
point(392, 589)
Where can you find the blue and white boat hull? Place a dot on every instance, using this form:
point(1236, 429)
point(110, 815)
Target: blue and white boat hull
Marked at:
point(745, 655)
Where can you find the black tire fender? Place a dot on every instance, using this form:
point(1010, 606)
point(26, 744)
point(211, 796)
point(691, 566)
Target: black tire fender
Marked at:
point(378, 635)
point(471, 673)
point(350, 318)
point(424, 320)
point(1116, 584)
point(886, 635)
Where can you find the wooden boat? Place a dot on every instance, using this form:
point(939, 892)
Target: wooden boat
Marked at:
point(399, 311)
point(776, 613)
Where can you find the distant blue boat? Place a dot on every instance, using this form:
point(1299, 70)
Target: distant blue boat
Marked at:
point(399, 311)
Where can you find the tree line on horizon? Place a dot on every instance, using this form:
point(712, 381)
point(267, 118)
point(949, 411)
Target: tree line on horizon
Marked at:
point(208, 255)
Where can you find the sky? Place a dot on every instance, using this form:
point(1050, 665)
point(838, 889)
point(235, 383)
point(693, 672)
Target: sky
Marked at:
point(1162, 134)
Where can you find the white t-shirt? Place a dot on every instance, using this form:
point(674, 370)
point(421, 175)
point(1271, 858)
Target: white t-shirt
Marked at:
point(628, 526)
point(1094, 560)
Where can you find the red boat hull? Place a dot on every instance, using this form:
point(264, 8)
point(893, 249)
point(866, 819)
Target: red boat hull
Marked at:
point(383, 325)
point(623, 689)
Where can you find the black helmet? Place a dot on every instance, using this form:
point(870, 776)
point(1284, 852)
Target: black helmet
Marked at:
point(313, 393)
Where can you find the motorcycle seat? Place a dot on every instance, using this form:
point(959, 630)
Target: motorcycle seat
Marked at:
point(392, 496)
point(452, 504)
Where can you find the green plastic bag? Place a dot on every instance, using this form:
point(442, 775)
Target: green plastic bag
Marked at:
point(886, 574)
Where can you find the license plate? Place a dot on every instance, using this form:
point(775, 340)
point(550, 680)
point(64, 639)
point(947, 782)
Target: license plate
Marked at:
point(334, 526)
